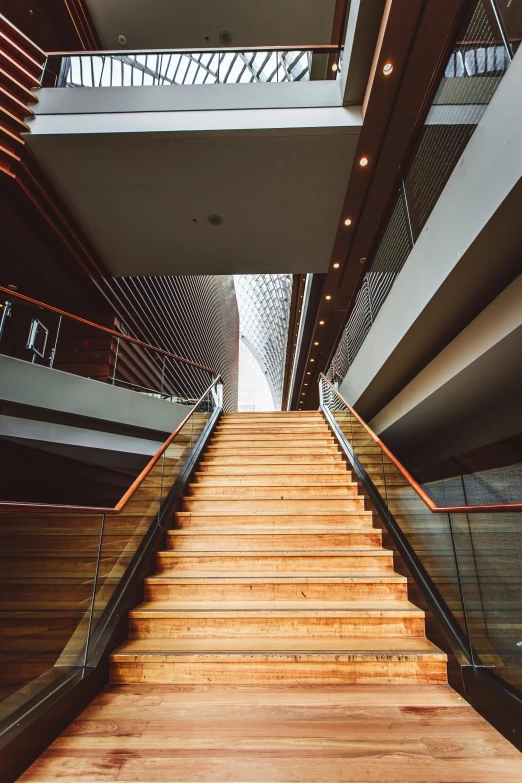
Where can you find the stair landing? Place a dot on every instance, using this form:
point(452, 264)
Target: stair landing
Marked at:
point(279, 734)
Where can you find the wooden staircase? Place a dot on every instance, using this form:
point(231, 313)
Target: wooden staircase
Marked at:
point(274, 573)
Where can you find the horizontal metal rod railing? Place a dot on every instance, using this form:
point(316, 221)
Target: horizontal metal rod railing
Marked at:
point(314, 48)
point(105, 329)
point(120, 505)
point(409, 478)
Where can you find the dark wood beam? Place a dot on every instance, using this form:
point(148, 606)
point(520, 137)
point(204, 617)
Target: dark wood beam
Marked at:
point(417, 43)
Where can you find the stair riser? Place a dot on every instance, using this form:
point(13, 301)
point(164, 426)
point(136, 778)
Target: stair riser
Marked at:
point(248, 448)
point(270, 542)
point(298, 471)
point(278, 591)
point(169, 562)
point(193, 521)
point(279, 439)
point(273, 626)
point(262, 480)
point(295, 669)
point(268, 505)
point(273, 432)
point(276, 491)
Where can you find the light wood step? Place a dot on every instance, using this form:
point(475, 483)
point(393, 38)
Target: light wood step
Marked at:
point(277, 438)
point(306, 505)
point(248, 447)
point(237, 539)
point(248, 468)
point(250, 660)
point(323, 619)
point(278, 491)
point(328, 520)
point(329, 457)
point(210, 478)
point(282, 586)
point(333, 561)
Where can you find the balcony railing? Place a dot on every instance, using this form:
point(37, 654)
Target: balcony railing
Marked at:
point(475, 67)
point(187, 67)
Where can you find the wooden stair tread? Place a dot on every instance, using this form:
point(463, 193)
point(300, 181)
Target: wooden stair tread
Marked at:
point(267, 531)
point(286, 576)
point(259, 608)
point(369, 646)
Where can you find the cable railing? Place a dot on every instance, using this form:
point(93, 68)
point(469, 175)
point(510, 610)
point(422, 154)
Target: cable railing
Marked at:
point(64, 568)
point(473, 71)
point(36, 332)
point(466, 559)
point(190, 67)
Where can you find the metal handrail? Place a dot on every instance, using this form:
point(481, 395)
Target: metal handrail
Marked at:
point(314, 48)
point(120, 335)
point(120, 505)
point(433, 507)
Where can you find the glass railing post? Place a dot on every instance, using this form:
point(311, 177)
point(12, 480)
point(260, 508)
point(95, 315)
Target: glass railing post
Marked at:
point(6, 312)
point(458, 571)
point(53, 351)
point(163, 375)
point(115, 361)
point(94, 591)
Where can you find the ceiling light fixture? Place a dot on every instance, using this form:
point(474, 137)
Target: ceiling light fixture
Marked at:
point(328, 297)
point(316, 343)
point(334, 67)
point(336, 265)
point(312, 360)
point(308, 373)
point(362, 260)
point(348, 222)
point(363, 161)
point(387, 69)
point(321, 323)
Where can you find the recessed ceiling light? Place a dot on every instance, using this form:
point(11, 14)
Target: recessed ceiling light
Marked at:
point(12, 287)
point(321, 323)
point(387, 69)
point(312, 360)
point(348, 222)
point(215, 220)
point(334, 67)
point(362, 260)
point(122, 40)
point(308, 373)
point(328, 297)
point(316, 343)
point(363, 161)
point(336, 265)
point(305, 384)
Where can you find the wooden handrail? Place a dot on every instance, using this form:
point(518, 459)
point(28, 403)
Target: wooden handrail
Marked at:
point(120, 505)
point(411, 481)
point(120, 335)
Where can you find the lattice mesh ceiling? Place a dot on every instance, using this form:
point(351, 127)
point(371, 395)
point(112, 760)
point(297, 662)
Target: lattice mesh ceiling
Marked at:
point(264, 304)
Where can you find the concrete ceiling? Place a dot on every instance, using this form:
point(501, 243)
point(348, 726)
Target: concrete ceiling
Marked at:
point(144, 199)
point(164, 24)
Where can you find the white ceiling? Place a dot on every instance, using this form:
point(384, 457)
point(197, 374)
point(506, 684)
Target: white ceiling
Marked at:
point(144, 199)
point(164, 24)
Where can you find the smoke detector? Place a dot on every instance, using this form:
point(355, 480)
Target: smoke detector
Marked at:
point(225, 37)
point(215, 220)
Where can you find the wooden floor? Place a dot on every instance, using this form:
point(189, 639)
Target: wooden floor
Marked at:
point(276, 642)
point(276, 734)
